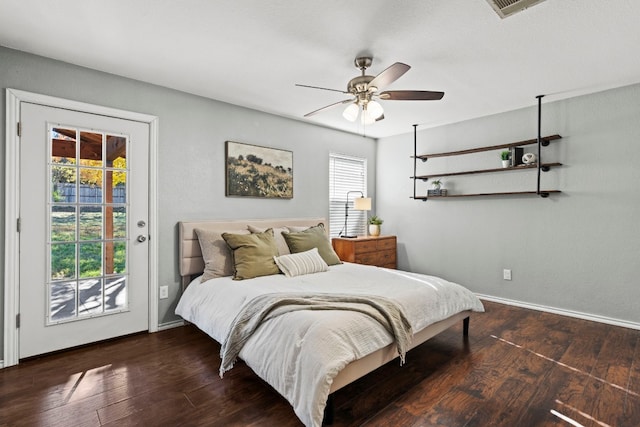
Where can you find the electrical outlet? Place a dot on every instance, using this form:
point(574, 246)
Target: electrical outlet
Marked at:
point(506, 274)
point(164, 292)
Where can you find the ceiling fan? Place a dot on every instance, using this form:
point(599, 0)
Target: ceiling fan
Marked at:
point(365, 91)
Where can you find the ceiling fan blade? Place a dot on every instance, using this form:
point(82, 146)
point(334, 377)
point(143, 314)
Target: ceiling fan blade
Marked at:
point(390, 75)
point(322, 88)
point(411, 95)
point(335, 104)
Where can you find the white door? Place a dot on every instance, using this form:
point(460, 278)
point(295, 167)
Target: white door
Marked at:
point(84, 257)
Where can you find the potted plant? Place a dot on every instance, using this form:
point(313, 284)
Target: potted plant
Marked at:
point(374, 225)
point(436, 184)
point(504, 155)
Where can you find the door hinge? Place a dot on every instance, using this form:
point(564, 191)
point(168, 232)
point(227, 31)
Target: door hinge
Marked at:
point(18, 224)
point(19, 129)
point(18, 320)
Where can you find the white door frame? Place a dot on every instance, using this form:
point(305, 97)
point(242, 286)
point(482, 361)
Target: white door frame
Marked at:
point(12, 207)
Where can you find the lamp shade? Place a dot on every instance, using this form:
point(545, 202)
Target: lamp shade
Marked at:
point(375, 109)
point(351, 112)
point(362, 204)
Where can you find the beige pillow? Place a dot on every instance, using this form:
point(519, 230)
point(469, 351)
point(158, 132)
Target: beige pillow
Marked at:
point(252, 254)
point(296, 228)
point(215, 253)
point(313, 237)
point(281, 244)
point(301, 263)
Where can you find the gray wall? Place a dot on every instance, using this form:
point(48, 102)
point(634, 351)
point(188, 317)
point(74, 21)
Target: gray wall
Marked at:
point(577, 251)
point(192, 135)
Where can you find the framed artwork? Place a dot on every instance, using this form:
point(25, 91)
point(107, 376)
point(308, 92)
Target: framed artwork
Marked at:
point(255, 171)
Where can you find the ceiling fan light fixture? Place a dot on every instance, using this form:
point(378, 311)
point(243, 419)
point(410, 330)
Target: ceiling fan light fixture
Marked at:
point(351, 112)
point(366, 117)
point(375, 109)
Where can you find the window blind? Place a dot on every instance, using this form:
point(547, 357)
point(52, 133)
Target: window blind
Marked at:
point(346, 173)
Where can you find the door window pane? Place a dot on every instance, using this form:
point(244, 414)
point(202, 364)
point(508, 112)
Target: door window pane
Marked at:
point(91, 149)
point(117, 182)
point(63, 145)
point(63, 300)
point(90, 259)
point(90, 185)
point(63, 261)
point(90, 296)
point(63, 184)
point(118, 221)
point(63, 223)
point(115, 297)
point(88, 224)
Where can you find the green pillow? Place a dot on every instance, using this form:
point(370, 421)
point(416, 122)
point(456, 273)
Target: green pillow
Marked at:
point(252, 254)
point(313, 237)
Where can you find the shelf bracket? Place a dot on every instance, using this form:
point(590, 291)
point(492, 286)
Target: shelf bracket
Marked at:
point(415, 158)
point(541, 194)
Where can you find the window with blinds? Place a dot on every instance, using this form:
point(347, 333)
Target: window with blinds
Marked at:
point(346, 173)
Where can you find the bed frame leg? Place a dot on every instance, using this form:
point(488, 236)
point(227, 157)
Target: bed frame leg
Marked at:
point(328, 412)
point(465, 327)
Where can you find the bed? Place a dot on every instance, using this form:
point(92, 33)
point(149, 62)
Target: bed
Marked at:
point(323, 349)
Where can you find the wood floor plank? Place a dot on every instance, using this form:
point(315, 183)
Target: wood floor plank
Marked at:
point(518, 367)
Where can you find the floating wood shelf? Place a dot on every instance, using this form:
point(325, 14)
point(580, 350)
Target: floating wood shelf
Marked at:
point(543, 193)
point(543, 140)
point(545, 167)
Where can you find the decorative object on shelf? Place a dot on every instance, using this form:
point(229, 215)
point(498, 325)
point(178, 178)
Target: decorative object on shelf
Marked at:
point(360, 204)
point(529, 159)
point(374, 225)
point(504, 155)
point(437, 189)
point(516, 156)
point(254, 171)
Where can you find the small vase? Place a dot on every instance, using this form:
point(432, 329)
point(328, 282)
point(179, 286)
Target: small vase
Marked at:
point(506, 163)
point(374, 230)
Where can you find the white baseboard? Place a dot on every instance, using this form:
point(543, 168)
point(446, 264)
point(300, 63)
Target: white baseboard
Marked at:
point(564, 312)
point(169, 325)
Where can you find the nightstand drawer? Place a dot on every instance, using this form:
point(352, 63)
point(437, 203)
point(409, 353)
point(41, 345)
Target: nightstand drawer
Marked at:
point(387, 257)
point(365, 246)
point(389, 243)
point(370, 258)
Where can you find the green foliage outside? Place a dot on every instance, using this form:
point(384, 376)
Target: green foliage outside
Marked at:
point(63, 248)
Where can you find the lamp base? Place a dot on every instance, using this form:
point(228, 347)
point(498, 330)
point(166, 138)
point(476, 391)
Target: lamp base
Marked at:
point(350, 237)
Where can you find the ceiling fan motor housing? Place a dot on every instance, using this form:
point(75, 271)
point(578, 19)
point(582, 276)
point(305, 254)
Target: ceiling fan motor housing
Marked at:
point(360, 84)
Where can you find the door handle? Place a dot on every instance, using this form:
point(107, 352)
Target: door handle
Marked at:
point(142, 238)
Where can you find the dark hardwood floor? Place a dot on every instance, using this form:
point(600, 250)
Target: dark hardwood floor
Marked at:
point(517, 368)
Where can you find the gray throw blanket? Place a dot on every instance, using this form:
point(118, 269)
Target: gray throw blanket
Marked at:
point(264, 307)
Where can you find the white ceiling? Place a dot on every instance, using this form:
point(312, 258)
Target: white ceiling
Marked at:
point(252, 52)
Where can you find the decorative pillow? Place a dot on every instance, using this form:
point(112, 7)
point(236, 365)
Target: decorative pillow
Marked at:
point(296, 228)
point(281, 244)
point(252, 254)
point(215, 253)
point(313, 237)
point(301, 263)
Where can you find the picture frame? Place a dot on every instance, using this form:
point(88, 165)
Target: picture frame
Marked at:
point(257, 171)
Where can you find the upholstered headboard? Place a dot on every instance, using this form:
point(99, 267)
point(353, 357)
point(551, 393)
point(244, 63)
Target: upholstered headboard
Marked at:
point(190, 256)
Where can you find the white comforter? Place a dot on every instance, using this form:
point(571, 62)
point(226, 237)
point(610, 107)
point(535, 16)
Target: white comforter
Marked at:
point(301, 352)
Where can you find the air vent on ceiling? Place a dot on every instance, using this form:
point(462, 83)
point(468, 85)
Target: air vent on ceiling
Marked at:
point(506, 8)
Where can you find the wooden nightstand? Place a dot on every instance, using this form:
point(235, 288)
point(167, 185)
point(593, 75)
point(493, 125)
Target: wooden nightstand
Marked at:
point(379, 251)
